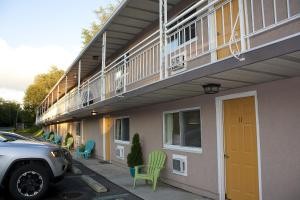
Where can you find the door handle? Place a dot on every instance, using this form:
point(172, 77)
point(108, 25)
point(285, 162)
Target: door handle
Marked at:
point(226, 156)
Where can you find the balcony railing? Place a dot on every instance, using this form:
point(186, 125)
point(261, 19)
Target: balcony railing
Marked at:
point(206, 31)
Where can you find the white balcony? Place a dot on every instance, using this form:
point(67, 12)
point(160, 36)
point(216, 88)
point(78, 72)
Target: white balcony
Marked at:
point(205, 33)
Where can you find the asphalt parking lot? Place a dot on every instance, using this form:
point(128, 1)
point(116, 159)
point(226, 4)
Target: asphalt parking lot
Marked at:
point(72, 187)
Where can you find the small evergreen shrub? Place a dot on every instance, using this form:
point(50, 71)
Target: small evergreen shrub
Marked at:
point(135, 157)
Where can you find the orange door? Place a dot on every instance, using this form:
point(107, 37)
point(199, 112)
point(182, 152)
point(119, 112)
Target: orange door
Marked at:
point(225, 18)
point(106, 136)
point(240, 149)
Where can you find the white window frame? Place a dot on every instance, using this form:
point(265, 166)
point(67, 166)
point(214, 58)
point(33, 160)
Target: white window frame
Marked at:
point(179, 147)
point(115, 131)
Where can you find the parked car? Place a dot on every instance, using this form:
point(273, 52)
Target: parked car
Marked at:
point(15, 136)
point(27, 167)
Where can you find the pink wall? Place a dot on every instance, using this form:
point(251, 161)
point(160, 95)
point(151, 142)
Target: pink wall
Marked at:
point(279, 118)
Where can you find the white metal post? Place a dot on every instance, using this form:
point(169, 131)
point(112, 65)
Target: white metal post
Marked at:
point(103, 66)
point(212, 35)
point(242, 25)
point(124, 72)
point(88, 93)
point(78, 84)
point(57, 97)
point(162, 33)
point(66, 90)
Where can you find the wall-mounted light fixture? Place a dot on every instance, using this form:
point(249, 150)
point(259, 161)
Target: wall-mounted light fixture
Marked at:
point(211, 88)
point(94, 113)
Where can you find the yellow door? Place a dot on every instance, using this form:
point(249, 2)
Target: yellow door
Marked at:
point(225, 19)
point(106, 134)
point(240, 149)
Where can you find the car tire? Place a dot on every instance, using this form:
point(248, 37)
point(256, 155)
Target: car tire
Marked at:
point(29, 182)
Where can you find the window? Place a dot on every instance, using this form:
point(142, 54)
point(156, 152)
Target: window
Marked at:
point(182, 129)
point(122, 129)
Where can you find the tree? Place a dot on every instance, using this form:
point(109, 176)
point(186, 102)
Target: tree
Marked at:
point(135, 157)
point(103, 14)
point(9, 112)
point(38, 90)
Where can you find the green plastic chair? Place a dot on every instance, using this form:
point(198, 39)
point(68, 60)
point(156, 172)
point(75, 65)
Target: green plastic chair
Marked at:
point(89, 146)
point(70, 142)
point(156, 162)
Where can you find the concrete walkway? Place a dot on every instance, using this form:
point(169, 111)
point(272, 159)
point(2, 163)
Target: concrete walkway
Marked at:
point(121, 177)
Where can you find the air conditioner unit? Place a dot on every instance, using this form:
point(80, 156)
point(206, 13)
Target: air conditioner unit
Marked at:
point(179, 165)
point(177, 62)
point(120, 152)
point(119, 86)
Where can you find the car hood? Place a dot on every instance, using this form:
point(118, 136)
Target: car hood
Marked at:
point(24, 143)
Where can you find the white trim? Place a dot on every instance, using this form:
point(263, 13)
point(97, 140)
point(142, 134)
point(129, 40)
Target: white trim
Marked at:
point(220, 140)
point(122, 142)
point(182, 148)
point(179, 147)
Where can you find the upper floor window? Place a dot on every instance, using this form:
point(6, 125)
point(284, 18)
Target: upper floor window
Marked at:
point(184, 32)
point(182, 129)
point(122, 129)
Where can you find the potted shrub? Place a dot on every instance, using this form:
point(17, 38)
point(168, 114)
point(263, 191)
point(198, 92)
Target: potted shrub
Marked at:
point(135, 157)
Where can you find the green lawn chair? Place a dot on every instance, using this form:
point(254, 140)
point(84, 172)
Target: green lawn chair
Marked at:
point(89, 146)
point(156, 162)
point(57, 139)
point(70, 142)
point(45, 136)
point(51, 137)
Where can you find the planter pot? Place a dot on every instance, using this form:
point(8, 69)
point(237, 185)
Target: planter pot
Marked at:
point(132, 171)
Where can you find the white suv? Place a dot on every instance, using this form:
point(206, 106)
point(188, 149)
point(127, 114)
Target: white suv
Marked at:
point(27, 167)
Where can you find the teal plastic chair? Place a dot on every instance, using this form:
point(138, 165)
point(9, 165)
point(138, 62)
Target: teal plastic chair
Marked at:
point(155, 165)
point(57, 139)
point(89, 146)
point(45, 136)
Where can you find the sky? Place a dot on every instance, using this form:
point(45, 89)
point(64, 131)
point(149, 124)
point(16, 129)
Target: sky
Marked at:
point(36, 34)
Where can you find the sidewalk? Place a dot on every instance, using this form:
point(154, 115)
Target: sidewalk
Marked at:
point(121, 177)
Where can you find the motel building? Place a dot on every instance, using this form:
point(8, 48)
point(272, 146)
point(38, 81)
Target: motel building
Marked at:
point(215, 84)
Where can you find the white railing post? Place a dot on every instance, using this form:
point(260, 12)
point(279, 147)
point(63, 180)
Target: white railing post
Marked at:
point(242, 25)
point(78, 85)
point(103, 66)
point(66, 99)
point(124, 72)
point(88, 93)
point(163, 40)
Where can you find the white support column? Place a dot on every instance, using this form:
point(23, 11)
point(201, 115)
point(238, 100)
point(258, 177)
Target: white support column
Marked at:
point(103, 66)
point(212, 33)
point(66, 85)
point(162, 33)
point(78, 84)
point(66, 90)
point(124, 73)
point(52, 99)
point(242, 25)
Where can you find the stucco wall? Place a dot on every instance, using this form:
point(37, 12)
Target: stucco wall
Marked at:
point(279, 119)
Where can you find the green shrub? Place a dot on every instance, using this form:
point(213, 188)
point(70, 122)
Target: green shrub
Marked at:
point(135, 157)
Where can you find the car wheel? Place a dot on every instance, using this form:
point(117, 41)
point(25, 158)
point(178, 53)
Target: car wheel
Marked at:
point(29, 182)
